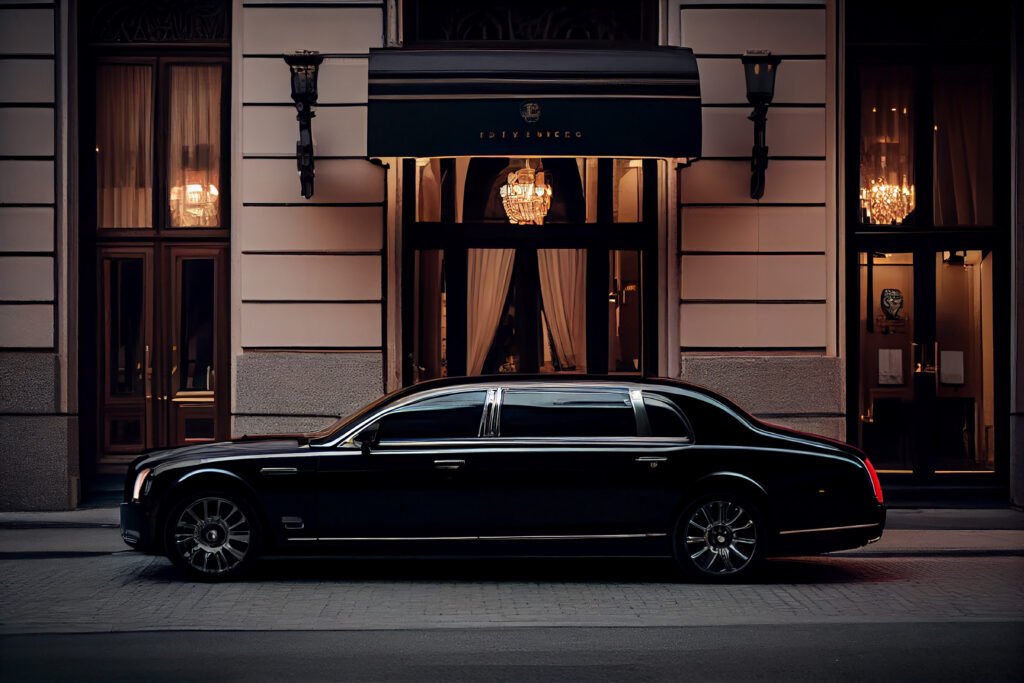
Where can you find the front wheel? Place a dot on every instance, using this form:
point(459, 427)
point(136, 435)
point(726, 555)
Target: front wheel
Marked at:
point(212, 536)
point(719, 537)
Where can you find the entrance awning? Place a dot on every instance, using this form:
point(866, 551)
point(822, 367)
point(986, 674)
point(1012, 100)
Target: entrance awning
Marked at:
point(601, 103)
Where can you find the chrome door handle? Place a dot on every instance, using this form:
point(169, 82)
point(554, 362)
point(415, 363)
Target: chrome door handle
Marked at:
point(652, 458)
point(449, 464)
point(278, 470)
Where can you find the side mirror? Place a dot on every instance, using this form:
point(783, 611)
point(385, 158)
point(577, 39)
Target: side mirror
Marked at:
point(368, 438)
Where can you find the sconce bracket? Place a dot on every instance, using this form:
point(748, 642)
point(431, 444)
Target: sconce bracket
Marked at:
point(759, 152)
point(304, 68)
point(759, 68)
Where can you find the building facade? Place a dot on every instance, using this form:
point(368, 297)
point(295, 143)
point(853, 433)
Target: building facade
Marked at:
point(164, 280)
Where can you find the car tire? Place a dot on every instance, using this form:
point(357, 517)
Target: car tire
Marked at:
point(213, 535)
point(719, 537)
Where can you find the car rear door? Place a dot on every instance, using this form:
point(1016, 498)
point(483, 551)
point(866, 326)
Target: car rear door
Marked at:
point(414, 482)
point(570, 461)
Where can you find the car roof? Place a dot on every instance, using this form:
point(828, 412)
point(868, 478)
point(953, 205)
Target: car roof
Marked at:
point(555, 378)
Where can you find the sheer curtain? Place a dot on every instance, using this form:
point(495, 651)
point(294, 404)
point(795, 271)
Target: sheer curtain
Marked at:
point(963, 147)
point(124, 146)
point(563, 278)
point(193, 163)
point(490, 272)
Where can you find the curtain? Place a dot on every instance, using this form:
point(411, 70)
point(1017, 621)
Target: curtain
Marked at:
point(963, 147)
point(563, 278)
point(193, 160)
point(429, 312)
point(886, 144)
point(490, 272)
point(124, 146)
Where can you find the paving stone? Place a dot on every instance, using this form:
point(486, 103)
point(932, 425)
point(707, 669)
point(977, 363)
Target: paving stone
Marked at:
point(129, 591)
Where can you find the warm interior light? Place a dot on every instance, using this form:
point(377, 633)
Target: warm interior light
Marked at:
point(887, 203)
point(195, 204)
point(526, 197)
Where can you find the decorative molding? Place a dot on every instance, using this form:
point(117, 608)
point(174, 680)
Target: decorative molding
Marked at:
point(159, 21)
point(521, 21)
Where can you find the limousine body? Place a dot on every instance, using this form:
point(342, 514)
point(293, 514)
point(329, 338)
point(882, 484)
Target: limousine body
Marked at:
point(512, 466)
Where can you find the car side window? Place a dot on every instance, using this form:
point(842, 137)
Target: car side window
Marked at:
point(452, 416)
point(543, 412)
point(665, 418)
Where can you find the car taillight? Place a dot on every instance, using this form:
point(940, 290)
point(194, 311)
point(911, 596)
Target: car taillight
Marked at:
point(877, 485)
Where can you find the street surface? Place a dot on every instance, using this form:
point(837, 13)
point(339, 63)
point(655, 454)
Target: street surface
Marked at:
point(924, 604)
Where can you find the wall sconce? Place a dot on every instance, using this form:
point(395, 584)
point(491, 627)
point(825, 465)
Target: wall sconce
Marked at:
point(759, 67)
point(304, 66)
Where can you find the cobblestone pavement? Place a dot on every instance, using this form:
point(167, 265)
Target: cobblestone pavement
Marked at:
point(128, 591)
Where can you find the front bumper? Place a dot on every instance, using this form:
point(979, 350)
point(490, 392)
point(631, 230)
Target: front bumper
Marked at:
point(135, 526)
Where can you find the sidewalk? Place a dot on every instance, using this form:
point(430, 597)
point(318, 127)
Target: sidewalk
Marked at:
point(909, 532)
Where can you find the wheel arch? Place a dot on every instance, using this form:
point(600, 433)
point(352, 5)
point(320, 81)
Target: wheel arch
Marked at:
point(208, 479)
point(727, 480)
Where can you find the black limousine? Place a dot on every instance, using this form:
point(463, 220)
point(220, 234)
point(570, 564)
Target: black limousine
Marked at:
point(512, 466)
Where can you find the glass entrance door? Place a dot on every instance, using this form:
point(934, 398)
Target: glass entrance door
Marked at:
point(926, 394)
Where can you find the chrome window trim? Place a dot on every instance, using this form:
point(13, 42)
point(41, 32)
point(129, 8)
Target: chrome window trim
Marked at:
point(348, 437)
point(643, 425)
point(537, 444)
point(345, 437)
point(659, 398)
point(583, 388)
point(485, 419)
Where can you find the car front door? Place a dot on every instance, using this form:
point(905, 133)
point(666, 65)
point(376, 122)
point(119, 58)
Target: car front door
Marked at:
point(407, 475)
point(572, 462)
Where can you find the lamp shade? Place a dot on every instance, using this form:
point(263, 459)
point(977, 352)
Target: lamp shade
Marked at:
point(304, 67)
point(760, 67)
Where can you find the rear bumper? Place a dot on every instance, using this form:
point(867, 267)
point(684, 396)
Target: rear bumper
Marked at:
point(828, 539)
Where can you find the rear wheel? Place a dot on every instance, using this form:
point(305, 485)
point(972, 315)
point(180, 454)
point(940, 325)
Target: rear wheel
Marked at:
point(719, 537)
point(213, 536)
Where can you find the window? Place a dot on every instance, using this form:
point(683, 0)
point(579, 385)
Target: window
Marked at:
point(665, 418)
point(159, 144)
point(887, 194)
point(962, 130)
point(124, 146)
point(951, 106)
point(454, 416)
point(567, 413)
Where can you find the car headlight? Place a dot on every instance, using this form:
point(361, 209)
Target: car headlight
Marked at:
point(140, 479)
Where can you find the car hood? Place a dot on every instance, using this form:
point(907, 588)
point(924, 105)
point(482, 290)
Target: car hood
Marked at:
point(226, 449)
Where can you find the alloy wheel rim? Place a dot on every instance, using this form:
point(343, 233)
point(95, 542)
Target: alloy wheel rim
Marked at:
point(720, 537)
point(213, 535)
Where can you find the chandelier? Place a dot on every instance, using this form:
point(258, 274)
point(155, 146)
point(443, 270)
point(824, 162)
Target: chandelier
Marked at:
point(885, 203)
point(526, 197)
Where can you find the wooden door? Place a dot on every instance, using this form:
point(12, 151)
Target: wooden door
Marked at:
point(125, 360)
point(163, 352)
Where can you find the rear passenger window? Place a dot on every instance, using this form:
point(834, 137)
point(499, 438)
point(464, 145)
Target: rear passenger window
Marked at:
point(567, 413)
point(454, 416)
point(665, 418)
